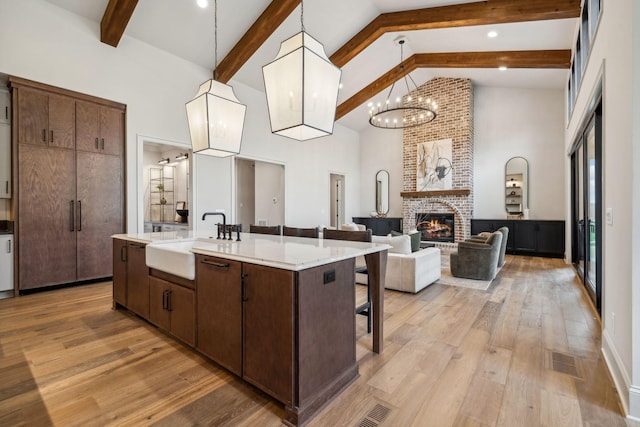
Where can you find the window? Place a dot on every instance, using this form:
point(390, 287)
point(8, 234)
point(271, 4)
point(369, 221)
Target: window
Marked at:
point(589, 18)
point(595, 6)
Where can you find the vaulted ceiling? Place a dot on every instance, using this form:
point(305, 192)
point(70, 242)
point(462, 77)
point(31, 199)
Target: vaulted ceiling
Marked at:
point(445, 39)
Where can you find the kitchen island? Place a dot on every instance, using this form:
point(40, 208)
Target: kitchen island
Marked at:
point(276, 311)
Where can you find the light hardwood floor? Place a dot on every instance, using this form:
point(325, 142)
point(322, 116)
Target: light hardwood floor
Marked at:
point(523, 353)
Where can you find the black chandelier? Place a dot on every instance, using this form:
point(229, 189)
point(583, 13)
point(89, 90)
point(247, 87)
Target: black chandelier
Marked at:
point(405, 113)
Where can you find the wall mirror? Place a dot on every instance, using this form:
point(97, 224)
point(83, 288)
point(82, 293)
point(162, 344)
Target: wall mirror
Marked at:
point(382, 192)
point(516, 186)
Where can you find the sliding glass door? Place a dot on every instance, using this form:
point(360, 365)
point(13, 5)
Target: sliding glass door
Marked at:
point(586, 164)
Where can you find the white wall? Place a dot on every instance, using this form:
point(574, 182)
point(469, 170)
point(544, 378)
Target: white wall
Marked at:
point(307, 164)
point(380, 149)
point(42, 42)
point(519, 122)
point(508, 123)
point(611, 59)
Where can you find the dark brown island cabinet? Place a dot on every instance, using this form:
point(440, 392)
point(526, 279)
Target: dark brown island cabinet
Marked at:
point(289, 333)
point(69, 179)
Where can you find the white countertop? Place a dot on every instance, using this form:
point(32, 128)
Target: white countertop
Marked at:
point(289, 253)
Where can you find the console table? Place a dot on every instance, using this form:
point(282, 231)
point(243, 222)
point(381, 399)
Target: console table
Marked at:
point(380, 226)
point(528, 236)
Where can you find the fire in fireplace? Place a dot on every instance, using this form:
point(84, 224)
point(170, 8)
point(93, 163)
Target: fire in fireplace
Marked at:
point(439, 227)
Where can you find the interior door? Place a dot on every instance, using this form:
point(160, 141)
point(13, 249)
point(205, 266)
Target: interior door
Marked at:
point(336, 200)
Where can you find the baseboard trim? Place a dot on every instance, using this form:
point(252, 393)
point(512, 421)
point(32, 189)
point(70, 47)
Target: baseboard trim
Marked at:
point(634, 404)
point(620, 376)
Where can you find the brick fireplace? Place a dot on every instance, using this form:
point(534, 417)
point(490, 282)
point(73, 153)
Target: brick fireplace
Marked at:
point(454, 121)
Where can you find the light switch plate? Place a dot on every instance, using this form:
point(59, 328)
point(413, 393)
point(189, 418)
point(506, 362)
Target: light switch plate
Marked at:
point(609, 216)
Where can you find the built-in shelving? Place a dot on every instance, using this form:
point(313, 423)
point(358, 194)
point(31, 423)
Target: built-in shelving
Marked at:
point(161, 188)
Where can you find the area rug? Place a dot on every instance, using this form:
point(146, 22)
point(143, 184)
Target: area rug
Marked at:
point(447, 279)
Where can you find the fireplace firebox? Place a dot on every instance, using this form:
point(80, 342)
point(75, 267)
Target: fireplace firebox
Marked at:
point(437, 227)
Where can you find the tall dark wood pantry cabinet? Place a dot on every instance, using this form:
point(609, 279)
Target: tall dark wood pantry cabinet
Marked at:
point(68, 148)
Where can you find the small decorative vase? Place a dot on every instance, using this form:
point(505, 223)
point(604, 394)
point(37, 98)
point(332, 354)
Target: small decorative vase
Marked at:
point(163, 201)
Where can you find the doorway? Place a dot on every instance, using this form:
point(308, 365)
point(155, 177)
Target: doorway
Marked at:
point(586, 194)
point(260, 197)
point(336, 200)
point(164, 184)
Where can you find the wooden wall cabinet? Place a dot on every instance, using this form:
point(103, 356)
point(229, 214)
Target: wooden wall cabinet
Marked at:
point(46, 222)
point(69, 201)
point(5, 161)
point(528, 237)
point(100, 128)
point(172, 307)
point(46, 119)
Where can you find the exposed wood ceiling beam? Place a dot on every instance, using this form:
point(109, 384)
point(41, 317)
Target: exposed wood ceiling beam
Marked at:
point(256, 35)
point(115, 19)
point(558, 59)
point(459, 15)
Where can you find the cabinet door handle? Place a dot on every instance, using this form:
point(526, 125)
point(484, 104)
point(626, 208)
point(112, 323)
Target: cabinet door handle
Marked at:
point(97, 147)
point(123, 253)
point(164, 300)
point(214, 264)
point(6, 187)
point(52, 136)
point(9, 246)
point(102, 144)
point(79, 215)
point(169, 300)
point(6, 113)
point(44, 135)
point(244, 288)
point(73, 215)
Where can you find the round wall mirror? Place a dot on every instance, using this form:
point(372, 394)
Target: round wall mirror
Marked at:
point(382, 192)
point(516, 186)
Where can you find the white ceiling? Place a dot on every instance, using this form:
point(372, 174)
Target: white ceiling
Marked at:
point(185, 30)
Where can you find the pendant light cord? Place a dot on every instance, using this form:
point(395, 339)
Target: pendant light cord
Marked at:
point(302, 15)
point(215, 35)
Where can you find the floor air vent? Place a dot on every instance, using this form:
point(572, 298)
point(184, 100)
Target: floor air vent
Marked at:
point(565, 364)
point(375, 416)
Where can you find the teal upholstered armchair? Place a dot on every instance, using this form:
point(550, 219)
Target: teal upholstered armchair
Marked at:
point(476, 259)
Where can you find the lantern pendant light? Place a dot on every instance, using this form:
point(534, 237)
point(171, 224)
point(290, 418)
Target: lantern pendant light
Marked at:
point(301, 85)
point(216, 117)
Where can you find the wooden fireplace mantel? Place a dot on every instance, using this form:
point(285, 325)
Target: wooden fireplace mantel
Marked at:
point(418, 194)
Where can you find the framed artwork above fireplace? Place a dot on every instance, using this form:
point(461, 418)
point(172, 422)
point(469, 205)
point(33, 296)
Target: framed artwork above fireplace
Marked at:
point(434, 165)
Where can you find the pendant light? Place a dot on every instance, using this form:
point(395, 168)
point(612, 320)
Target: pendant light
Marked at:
point(301, 85)
point(406, 112)
point(216, 117)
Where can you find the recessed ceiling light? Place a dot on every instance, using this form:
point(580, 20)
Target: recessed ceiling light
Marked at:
point(502, 68)
point(203, 3)
point(491, 34)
